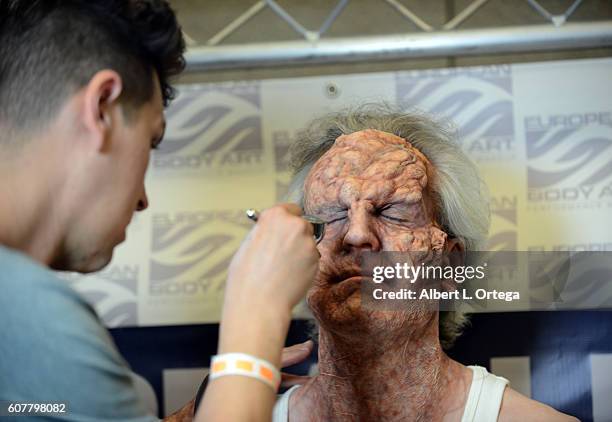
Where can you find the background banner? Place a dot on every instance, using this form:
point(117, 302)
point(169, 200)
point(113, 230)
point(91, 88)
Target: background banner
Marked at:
point(541, 134)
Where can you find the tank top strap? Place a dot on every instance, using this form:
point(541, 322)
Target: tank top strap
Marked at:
point(280, 413)
point(485, 396)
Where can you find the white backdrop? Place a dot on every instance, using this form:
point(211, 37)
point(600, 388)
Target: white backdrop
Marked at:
point(541, 134)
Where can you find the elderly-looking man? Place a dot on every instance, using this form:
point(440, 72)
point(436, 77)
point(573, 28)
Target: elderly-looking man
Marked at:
point(390, 181)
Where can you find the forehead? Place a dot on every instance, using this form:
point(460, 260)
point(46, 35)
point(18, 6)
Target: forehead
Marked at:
point(369, 164)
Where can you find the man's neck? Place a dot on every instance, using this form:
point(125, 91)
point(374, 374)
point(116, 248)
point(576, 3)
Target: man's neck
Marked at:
point(27, 214)
point(387, 378)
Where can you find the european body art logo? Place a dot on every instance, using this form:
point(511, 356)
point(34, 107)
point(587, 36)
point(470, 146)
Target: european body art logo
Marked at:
point(569, 160)
point(477, 100)
point(112, 292)
point(213, 129)
point(504, 228)
point(191, 252)
point(282, 141)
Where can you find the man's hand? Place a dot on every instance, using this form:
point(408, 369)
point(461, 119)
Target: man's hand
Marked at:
point(268, 276)
point(276, 263)
point(291, 356)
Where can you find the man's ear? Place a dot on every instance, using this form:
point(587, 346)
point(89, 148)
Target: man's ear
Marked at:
point(455, 251)
point(455, 257)
point(101, 97)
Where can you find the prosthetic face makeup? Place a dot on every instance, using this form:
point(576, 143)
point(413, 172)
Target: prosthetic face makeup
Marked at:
point(371, 188)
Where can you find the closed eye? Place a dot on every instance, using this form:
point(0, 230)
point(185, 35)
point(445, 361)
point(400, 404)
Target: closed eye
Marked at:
point(337, 214)
point(336, 219)
point(331, 213)
point(386, 212)
point(400, 220)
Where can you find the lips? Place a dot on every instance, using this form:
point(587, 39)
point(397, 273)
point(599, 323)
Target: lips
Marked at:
point(343, 276)
point(348, 285)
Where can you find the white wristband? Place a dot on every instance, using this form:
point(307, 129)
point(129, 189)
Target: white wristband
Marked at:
point(246, 365)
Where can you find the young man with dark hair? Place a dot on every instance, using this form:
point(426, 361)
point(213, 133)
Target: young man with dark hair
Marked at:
point(86, 71)
point(82, 90)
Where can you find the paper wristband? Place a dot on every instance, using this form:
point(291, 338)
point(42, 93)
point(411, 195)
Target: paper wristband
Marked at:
point(246, 365)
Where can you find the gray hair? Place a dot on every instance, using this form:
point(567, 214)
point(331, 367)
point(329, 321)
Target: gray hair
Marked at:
point(458, 190)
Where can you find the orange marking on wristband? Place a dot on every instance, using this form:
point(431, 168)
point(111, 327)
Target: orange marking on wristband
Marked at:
point(243, 364)
point(266, 373)
point(219, 366)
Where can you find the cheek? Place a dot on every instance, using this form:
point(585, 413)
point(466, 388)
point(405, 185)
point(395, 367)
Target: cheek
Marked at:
point(143, 156)
point(405, 240)
point(326, 263)
point(438, 238)
point(398, 238)
point(311, 296)
point(318, 292)
point(395, 238)
point(140, 164)
point(332, 239)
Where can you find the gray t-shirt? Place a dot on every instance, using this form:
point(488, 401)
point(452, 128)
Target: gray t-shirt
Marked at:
point(53, 348)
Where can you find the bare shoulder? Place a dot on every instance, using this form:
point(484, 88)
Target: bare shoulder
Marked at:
point(516, 406)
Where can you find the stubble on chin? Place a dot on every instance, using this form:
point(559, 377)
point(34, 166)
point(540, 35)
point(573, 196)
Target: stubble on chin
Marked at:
point(82, 262)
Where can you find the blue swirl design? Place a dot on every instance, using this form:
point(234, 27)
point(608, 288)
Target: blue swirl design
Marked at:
point(114, 298)
point(578, 280)
point(583, 155)
point(477, 106)
point(201, 122)
point(199, 251)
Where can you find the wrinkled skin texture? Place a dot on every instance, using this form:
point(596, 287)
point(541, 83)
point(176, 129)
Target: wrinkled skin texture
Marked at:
point(372, 189)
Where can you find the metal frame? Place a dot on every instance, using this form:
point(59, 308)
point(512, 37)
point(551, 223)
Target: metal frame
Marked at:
point(446, 41)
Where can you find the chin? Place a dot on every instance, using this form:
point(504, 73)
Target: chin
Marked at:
point(84, 264)
point(98, 262)
point(347, 317)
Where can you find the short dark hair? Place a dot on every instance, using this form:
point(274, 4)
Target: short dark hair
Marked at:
point(51, 48)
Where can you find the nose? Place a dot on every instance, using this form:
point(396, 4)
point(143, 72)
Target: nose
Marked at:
point(361, 232)
point(143, 202)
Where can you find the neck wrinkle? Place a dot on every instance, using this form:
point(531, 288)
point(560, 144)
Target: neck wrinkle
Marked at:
point(386, 378)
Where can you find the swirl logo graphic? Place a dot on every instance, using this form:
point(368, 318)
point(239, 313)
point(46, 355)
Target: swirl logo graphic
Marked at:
point(192, 251)
point(282, 141)
point(212, 127)
point(112, 292)
point(477, 100)
point(504, 224)
point(576, 280)
point(561, 156)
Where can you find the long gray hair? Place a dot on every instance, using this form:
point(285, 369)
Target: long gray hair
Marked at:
point(461, 195)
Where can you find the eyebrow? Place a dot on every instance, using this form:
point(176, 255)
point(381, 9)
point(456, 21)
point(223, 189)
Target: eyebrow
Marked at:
point(328, 210)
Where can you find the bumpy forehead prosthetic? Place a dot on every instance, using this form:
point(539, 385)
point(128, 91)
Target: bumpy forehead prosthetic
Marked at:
point(391, 165)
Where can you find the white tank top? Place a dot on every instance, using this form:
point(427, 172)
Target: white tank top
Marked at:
point(482, 405)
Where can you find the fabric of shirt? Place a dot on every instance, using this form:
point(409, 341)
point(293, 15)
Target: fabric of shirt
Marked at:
point(54, 348)
point(482, 405)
